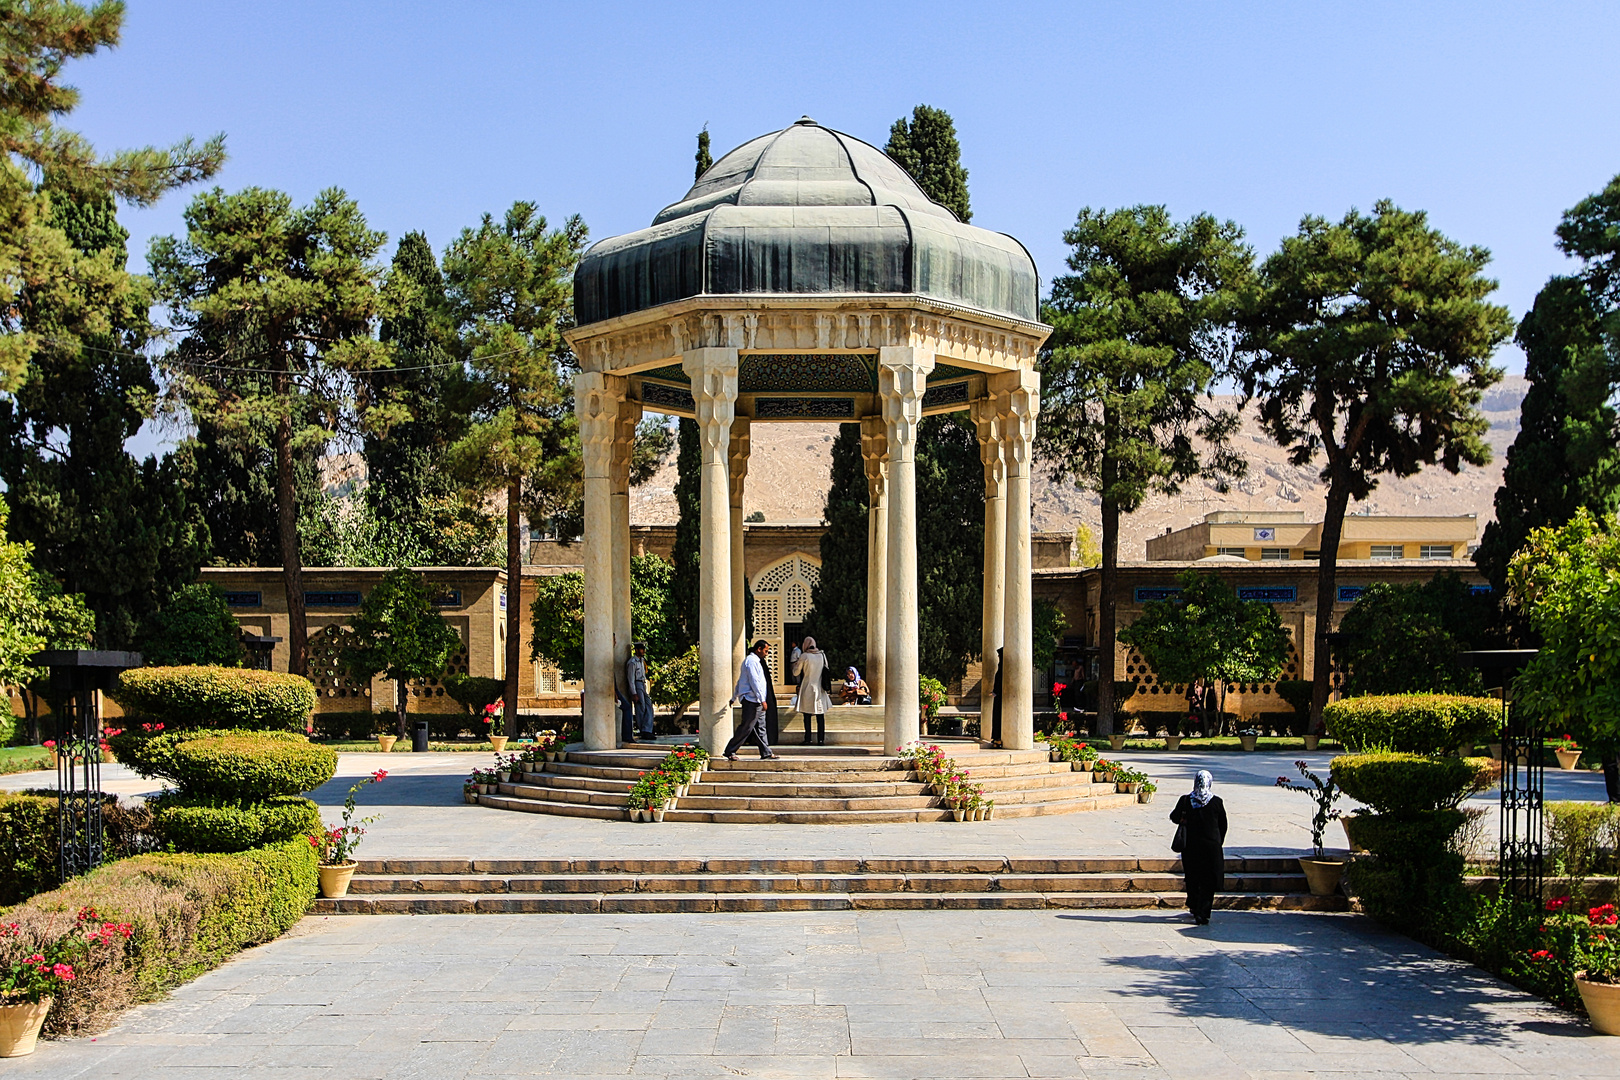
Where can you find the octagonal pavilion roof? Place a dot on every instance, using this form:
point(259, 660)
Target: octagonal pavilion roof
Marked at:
point(805, 211)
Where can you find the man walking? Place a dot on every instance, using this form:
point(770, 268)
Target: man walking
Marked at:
point(752, 688)
point(635, 677)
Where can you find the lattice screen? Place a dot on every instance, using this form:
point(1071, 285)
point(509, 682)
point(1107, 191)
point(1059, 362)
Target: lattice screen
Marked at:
point(782, 594)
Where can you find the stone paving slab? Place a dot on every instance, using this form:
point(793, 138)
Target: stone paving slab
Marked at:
point(838, 994)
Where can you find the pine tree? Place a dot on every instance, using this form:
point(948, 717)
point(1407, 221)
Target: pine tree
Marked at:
point(927, 149)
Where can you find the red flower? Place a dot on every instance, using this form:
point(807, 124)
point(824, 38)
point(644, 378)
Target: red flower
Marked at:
point(379, 774)
point(1541, 954)
point(1557, 904)
point(63, 972)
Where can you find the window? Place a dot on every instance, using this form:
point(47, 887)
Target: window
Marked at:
point(1273, 554)
point(1239, 552)
point(1437, 551)
point(1313, 553)
point(1389, 551)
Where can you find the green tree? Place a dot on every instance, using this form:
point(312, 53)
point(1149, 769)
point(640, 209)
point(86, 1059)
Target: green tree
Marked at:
point(34, 614)
point(398, 632)
point(1140, 329)
point(1405, 639)
point(508, 282)
point(276, 306)
point(1087, 552)
point(1207, 633)
point(195, 627)
point(41, 269)
point(1567, 452)
point(558, 615)
point(1566, 581)
point(837, 619)
point(950, 546)
point(704, 159)
point(927, 149)
point(1369, 343)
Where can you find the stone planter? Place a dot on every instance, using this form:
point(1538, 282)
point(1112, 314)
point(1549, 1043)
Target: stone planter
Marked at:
point(1248, 742)
point(498, 742)
point(658, 813)
point(1144, 796)
point(1602, 1001)
point(1349, 823)
point(19, 1026)
point(1323, 875)
point(1172, 742)
point(1495, 750)
point(1116, 742)
point(1127, 788)
point(471, 797)
point(1568, 759)
point(959, 813)
point(335, 879)
point(1312, 742)
point(385, 743)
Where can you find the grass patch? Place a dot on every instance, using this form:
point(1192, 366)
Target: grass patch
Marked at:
point(369, 746)
point(1219, 743)
point(15, 759)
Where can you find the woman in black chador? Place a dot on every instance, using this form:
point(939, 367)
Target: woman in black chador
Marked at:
point(1203, 857)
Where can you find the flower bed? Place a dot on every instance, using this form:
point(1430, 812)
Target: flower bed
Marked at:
point(950, 781)
point(656, 788)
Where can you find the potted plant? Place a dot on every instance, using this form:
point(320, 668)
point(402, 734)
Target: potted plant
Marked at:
point(1321, 873)
point(469, 792)
point(1173, 736)
point(50, 744)
point(28, 986)
point(1590, 944)
point(1117, 742)
point(930, 696)
point(1249, 738)
point(989, 809)
point(494, 718)
point(336, 846)
point(386, 740)
point(1128, 781)
point(1569, 753)
point(1144, 794)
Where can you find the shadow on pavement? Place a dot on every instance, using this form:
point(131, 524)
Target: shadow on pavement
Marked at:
point(399, 789)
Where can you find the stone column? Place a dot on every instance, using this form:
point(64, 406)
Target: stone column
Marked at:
point(624, 437)
point(1020, 392)
point(875, 453)
point(597, 399)
point(737, 475)
point(902, 380)
point(986, 418)
point(713, 373)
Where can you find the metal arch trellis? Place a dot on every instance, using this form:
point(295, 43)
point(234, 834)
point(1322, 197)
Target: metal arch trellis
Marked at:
point(1521, 865)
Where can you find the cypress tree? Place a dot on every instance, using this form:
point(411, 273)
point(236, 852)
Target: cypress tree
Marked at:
point(927, 149)
point(683, 587)
point(838, 617)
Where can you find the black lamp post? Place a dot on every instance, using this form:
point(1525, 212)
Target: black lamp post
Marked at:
point(260, 647)
point(76, 675)
point(1519, 847)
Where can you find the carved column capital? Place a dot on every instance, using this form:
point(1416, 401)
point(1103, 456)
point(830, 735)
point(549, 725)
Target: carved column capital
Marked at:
point(737, 457)
point(714, 391)
point(875, 457)
point(902, 381)
point(624, 443)
point(1019, 393)
point(986, 413)
point(598, 398)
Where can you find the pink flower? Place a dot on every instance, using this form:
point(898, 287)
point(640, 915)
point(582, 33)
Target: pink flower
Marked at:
point(1557, 904)
point(379, 774)
point(63, 972)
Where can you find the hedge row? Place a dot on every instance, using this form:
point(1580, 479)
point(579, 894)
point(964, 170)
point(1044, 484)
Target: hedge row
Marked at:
point(214, 825)
point(189, 913)
point(1413, 723)
point(195, 696)
point(229, 764)
point(1406, 784)
point(29, 839)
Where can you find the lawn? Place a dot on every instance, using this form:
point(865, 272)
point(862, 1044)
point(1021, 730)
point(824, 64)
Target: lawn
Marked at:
point(15, 759)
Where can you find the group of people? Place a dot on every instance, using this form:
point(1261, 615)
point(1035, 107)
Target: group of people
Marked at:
point(811, 672)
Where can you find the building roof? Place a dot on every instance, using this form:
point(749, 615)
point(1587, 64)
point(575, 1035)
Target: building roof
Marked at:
point(805, 210)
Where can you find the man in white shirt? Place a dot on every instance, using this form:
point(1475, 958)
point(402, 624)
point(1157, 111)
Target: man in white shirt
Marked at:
point(635, 677)
point(752, 686)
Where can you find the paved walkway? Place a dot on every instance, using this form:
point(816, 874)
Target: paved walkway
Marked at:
point(843, 994)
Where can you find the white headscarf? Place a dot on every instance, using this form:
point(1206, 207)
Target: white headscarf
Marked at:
point(810, 645)
point(1203, 789)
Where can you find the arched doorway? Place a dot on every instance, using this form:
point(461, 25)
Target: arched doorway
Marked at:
point(782, 594)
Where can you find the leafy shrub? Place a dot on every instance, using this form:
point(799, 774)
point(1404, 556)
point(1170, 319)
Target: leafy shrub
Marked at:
point(1413, 723)
point(28, 844)
point(188, 913)
point(1297, 692)
point(675, 682)
point(189, 823)
point(195, 627)
point(214, 697)
point(474, 692)
point(1407, 638)
point(1405, 784)
point(1584, 838)
point(250, 765)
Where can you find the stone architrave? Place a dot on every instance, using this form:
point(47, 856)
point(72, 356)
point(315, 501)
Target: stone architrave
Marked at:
point(902, 381)
point(713, 375)
point(986, 413)
point(1021, 395)
point(624, 438)
point(737, 476)
point(597, 400)
point(874, 455)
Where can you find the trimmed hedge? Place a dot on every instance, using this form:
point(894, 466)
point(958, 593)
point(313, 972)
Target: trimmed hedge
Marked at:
point(1413, 723)
point(240, 765)
point(189, 913)
point(194, 696)
point(1405, 784)
point(28, 844)
point(183, 823)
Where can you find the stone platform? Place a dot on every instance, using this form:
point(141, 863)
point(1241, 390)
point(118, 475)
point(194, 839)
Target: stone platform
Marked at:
point(911, 883)
point(824, 785)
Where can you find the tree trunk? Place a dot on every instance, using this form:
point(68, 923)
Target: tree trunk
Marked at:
point(1338, 498)
point(1106, 617)
point(292, 563)
point(401, 708)
point(514, 596)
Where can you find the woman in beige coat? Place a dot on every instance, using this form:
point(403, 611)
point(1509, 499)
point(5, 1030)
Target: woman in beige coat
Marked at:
point(812, 699)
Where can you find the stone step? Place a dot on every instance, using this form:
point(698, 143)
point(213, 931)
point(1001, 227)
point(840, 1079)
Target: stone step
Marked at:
point(657, 903)
point(550, 806)
point(577, 783)
point(774, 865)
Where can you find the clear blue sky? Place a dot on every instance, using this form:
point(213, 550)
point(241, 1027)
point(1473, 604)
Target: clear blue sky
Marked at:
point(1494, 117)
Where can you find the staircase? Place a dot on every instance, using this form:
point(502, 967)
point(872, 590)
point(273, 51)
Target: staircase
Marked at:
point(615, 886)
point(826, 786)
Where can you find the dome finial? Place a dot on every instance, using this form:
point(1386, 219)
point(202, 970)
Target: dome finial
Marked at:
point(805, 121)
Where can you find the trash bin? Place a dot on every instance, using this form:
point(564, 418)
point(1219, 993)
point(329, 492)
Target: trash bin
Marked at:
point(419, 738)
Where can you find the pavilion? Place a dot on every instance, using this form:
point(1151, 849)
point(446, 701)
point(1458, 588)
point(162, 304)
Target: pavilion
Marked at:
point(806, 277)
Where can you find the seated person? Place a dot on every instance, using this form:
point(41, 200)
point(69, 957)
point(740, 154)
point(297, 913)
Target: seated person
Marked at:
point(855, 690)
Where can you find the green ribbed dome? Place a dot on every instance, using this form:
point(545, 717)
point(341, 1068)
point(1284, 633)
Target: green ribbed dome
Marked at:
point(805, 211)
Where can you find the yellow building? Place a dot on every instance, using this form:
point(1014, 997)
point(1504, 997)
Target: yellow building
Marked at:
point(1286, 536)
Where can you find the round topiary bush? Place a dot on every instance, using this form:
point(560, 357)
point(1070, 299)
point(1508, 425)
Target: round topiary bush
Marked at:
point(248, 765)
point(1413, 723)
point(194, 696)
point(1407, 784)
point(184, 823)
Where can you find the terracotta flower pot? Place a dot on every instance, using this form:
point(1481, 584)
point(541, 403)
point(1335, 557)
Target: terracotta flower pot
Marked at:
point(498, 742)
point(1248, 742)
point(658, 813)
point(471, 797)
point(1172, 742)
point(1323, 875)
point(385, 743)
point(1568, 759)
point(1144, 796)
point(989, 812)
point(1349, 823)
point(1056, 755)
point(1116, 742)
point(959, 813)
point(335, 879)
point(1124, 787)
point(1602, 1001)
point(19, 1026)
point(1312, 741)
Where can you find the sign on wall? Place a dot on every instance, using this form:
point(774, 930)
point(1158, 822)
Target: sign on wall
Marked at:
point(1269, 594)
point(1265, 536)
point(1144, 593)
